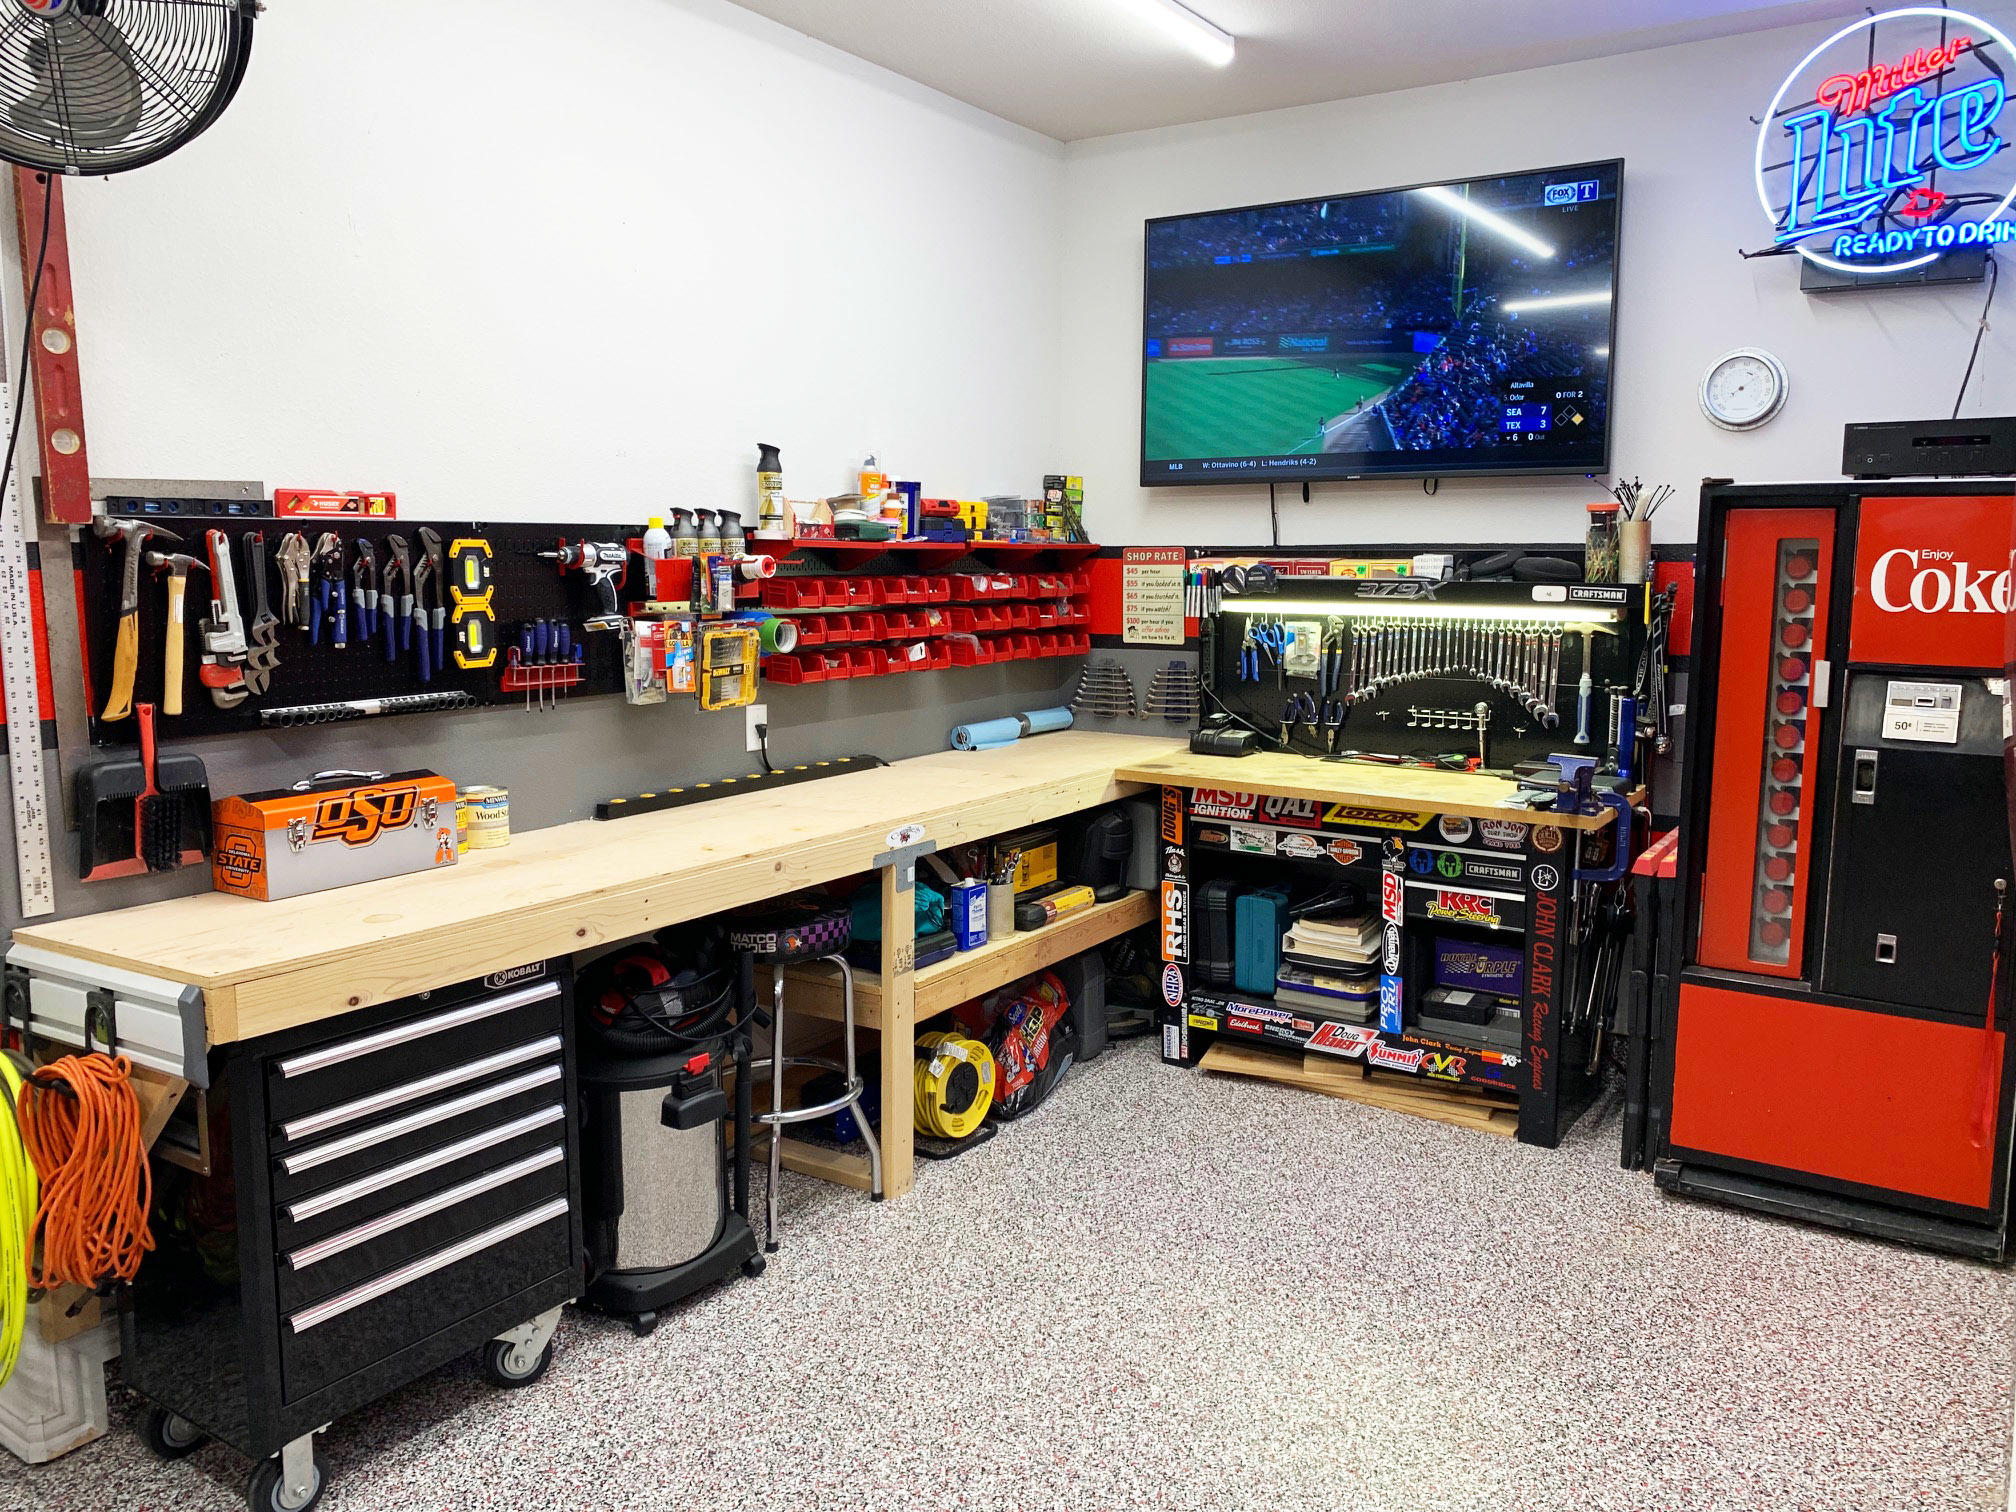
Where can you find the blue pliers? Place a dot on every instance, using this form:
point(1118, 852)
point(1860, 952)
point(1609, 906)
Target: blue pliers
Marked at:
point(1301, 709)
point(1249, 657)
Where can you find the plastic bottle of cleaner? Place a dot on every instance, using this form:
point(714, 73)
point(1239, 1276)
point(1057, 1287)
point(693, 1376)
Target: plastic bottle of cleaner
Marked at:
point(708, 531)
point(873, 483)
point(657, 540)
point(772, 523)
point(685, 541)
point(733, 541)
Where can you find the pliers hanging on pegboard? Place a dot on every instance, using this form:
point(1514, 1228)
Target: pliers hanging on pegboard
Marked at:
point(294, 558)
point(422, 631)
point(364, 591)
point(1330, 683)
point(1249, 656)
point(332, 598)
point(395, 606)
point(436, 623)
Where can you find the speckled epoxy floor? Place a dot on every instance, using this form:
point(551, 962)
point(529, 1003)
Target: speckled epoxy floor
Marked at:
point(1175, 1291)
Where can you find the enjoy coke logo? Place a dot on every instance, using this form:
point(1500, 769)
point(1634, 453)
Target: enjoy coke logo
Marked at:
point(1933, 582)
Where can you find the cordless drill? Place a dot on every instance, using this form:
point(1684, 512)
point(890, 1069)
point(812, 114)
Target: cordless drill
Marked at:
point(605, 562)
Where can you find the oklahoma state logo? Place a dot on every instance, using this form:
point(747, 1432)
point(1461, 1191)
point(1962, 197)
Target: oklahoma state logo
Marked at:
point(240, 860)
point(360, 815)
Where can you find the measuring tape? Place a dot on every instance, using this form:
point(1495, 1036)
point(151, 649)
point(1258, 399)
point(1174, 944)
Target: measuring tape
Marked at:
point(18, 682)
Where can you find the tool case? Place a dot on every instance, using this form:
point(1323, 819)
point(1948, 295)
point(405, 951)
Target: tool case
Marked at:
point(1260, 918)
point(385, 1191)
point(1216, 961)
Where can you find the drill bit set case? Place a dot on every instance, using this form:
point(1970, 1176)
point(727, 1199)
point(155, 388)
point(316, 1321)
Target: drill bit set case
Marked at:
point(1482, 674)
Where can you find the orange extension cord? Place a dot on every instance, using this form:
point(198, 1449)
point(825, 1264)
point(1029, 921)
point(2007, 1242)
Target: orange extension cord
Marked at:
point(80, 1120)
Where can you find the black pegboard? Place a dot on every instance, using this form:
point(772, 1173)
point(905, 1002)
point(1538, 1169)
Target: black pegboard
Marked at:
point(526, 587)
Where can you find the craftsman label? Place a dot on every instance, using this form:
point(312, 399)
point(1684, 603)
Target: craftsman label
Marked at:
point(1502, 834)
point(1464, 908)
point(1172, 816)
point(1172, 986)
point(1454, 828)
point(1252, 840)
point(1373, 818)
point(1922, 711)
point(1222, 803)
point(1175, 922)
point(1476, 869)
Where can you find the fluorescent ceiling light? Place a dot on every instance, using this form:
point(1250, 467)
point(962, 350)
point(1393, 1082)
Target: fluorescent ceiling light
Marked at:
point(1556, 302)
point(1490, 220)
point(1211, 43)
point(1392, 609)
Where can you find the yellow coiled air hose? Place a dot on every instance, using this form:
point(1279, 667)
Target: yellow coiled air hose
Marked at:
point(955, 1084)
point(19, 1197)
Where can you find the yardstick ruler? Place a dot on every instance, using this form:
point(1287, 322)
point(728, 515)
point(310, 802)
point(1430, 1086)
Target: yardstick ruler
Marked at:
point(19, 683)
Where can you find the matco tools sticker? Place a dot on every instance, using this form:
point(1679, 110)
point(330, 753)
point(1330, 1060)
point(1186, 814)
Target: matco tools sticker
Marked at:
point(1175, 927)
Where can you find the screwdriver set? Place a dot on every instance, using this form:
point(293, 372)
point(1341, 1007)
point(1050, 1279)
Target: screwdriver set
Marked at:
point(1461, 675)
point(231, 622)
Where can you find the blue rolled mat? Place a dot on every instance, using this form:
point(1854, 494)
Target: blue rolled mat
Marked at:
point(990, 734)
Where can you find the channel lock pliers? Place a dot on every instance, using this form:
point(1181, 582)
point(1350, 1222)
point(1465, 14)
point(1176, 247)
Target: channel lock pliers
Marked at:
point(1300, 709)
point(364, 590)
point(397, 607)
point(430, 545)
point(422, 632)
point(1249, 657)
point(332, 599)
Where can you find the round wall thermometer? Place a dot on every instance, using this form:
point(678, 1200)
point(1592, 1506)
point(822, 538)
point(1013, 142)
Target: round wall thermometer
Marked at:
point(1743, 388)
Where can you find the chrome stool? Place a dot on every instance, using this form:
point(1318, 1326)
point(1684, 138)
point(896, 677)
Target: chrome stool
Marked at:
point(788, 940)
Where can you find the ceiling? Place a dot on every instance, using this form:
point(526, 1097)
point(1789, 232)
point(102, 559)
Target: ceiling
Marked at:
point(1083, 68)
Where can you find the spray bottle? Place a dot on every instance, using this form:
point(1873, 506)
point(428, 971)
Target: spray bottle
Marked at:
point(685, 541)
point(733, 543)
point(708, 531)
point(657, 540)
point(772, 522)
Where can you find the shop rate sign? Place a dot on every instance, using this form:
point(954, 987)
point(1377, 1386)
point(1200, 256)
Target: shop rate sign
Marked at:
point(1883, 147)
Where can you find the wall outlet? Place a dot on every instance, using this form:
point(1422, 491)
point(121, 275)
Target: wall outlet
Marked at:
point(759, 714)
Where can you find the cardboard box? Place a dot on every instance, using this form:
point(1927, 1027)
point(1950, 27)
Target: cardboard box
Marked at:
point(290, 841)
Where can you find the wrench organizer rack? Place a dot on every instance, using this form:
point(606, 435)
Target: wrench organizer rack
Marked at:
point(524, 589)
point(1485, 673)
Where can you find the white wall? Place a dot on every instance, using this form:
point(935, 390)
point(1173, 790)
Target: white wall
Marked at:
point(527, 261)
point(1680, 117)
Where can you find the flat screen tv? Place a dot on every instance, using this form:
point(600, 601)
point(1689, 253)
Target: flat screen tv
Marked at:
point(1423, 332)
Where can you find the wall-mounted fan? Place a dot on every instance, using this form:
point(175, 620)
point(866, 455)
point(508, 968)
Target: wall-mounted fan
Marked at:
point(101, 86)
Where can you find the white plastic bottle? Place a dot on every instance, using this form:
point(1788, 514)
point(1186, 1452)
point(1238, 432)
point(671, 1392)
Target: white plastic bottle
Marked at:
point(657, 540)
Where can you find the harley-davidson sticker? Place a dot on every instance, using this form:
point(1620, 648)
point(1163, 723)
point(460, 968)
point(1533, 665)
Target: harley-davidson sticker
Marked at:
point(1345, 852)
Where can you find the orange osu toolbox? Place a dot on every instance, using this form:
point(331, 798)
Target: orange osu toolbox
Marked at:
point(334, 829)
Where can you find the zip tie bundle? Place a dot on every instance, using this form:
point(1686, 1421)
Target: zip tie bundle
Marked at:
point(17, 1222)
point(81, 1124)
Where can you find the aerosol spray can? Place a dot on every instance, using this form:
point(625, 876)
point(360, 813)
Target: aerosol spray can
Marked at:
point(709, 532)
point(685, 540)
point(773, 523)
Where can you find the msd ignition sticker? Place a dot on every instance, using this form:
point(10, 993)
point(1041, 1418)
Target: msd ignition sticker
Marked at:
point(1502, 834)
point(1252, 840)
point(1454, 828)
point(1222, 803)
point(1172, 986)
point(1175, 927)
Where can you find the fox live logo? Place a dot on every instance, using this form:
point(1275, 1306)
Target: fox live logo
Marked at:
point(357, 816)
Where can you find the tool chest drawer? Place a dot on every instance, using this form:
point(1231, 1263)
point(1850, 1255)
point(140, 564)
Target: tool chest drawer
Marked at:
point(369, 1146)
point(446, 1162)
point(449, 1029)
point(327, 1340)
point(361, 1248)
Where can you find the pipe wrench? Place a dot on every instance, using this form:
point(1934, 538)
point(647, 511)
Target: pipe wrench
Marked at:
point(225, 659)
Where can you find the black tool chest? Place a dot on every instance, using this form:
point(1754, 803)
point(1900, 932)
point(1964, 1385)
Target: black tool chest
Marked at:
point(386, 1191)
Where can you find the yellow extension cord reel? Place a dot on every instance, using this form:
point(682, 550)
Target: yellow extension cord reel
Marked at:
point(19, 1195)
point(955, 1084)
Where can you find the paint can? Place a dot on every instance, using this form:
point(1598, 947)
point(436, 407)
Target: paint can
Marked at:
point(488, 811)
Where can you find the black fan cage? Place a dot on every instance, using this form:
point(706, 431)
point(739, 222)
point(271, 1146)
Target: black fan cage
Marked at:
point(101, 86)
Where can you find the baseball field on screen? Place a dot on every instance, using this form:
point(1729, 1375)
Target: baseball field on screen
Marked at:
point(1256, 406)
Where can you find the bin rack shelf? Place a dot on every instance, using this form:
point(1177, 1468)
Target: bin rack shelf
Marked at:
point(835, 664)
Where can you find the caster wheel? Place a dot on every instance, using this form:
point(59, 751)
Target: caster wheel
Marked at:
point(754, 1266)
point(167, 1435)
point(644, 1324)
point(504, 1366)
point(266, 1493)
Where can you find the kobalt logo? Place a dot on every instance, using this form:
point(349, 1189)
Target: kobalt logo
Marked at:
point(1932, 582)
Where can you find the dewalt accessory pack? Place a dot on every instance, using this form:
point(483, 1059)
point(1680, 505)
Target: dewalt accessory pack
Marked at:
point(334, 829)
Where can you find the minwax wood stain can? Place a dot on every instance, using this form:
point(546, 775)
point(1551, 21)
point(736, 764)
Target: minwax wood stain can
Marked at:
point(484, 817)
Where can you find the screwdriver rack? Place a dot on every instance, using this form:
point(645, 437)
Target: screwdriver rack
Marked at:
point(1399, 667)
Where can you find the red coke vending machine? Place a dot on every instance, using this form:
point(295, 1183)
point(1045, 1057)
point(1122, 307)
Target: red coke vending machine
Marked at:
point(1831, 1048)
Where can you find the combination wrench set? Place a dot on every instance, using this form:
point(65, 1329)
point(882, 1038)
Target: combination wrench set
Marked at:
point(1522, 662)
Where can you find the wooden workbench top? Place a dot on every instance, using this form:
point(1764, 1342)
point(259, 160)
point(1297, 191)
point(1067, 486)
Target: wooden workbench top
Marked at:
point(270, 966)
point(1410, 789)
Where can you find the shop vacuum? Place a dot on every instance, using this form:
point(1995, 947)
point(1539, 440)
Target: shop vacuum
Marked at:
point(658, 1022)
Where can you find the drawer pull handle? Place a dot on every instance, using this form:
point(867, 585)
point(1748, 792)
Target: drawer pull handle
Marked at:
point(413, 1091)
point(426, 1207)
point(364, 1139)
point(426, 1265)
point(405, 1034)
point(419, 1165)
